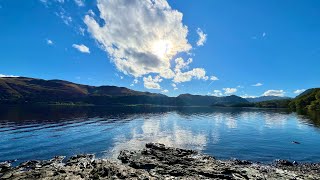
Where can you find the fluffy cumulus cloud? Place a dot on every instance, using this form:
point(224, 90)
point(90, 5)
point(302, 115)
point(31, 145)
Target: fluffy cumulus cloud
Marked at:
point(196, 73)
point(165, 91)
point(152, 83)
point(4, 76)
point(143, 37)
point(82, 48)
point(202, 37)
point(257, 85)
point(217, 93)
point(299, 91)
point(228, 91)
point(274, 93)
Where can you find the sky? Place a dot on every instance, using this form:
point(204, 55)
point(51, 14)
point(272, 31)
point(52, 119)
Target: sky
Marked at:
point(210, 47)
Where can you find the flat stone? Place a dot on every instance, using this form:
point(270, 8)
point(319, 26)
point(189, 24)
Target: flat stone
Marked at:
point(156, 161)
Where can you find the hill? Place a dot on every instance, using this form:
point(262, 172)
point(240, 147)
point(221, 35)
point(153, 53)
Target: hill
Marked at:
point(266, 98)
point(23, 90)
point(308, 100)
point(197, 100)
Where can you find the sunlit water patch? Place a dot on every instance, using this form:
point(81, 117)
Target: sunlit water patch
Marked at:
point(258, 135)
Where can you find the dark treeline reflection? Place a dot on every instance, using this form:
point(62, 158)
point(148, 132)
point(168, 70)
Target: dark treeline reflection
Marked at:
point(41, 132)
point(22, 115)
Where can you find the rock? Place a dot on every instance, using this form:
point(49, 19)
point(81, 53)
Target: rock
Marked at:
point(241, 162)
point(295, 142)
point(156, 161)
point(281, 162)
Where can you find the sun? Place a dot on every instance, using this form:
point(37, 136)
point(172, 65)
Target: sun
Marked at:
point(161, 48)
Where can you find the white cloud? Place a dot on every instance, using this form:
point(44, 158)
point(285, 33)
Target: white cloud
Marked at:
point(165, 91)
point(121, 77)
point(135, 81)
point(196, 73)
point(258, 84)
point(4, 76)
point(299, 91)
point(49, 42)
point(264, 34)
point(217, 93)
point(214, 78)
point(229, 91)
point(81, 31)
point(152, 83)
point(91, 13)
point(82, 48)
point(274, 93)
point(202, 37)
point(248, 96)
point(181, 64)
point(64, 16)
point(79, 2)
point(144, 39)
point(174, 86)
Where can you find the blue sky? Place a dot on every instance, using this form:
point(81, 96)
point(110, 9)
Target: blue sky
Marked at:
point(246, 48)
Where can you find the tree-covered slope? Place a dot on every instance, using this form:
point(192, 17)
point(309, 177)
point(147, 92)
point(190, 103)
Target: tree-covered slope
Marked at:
point(17, 90)
point(308, 100)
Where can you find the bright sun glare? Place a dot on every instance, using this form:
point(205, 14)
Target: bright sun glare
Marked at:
point(161, 48)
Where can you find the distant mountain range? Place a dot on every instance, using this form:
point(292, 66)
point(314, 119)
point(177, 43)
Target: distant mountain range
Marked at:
point(23, 90)
point(266, 98)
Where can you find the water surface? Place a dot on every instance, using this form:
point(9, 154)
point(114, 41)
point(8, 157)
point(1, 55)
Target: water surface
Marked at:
point(253, 134)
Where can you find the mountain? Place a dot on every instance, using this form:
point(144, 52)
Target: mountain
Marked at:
point(308, 100)
point(19, 90)
point(24, 90)
point(197, 100)
point(266, 98)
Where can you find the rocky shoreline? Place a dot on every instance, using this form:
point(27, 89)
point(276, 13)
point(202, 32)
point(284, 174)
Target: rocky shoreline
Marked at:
point(157, 161)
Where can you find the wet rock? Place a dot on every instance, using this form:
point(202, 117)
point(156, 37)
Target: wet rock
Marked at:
point(156, 161)
point(241, 162)
point(281, 162)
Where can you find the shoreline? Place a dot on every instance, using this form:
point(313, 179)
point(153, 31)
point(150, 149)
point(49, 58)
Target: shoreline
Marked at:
point(157, 161)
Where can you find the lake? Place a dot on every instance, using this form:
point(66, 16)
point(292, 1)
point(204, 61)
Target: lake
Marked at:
point(29, 132)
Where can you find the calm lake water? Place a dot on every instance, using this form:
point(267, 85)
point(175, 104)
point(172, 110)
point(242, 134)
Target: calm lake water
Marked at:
point(259, 135)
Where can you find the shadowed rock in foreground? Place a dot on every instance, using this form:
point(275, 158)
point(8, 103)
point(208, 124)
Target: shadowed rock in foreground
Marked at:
point(156, 162)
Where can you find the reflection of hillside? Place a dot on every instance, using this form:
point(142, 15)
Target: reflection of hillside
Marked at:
point(47, 114)
point(310, 117)
point(24, 115)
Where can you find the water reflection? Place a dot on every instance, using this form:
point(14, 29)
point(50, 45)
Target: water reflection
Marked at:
point(160, 131)
point(260, 135)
